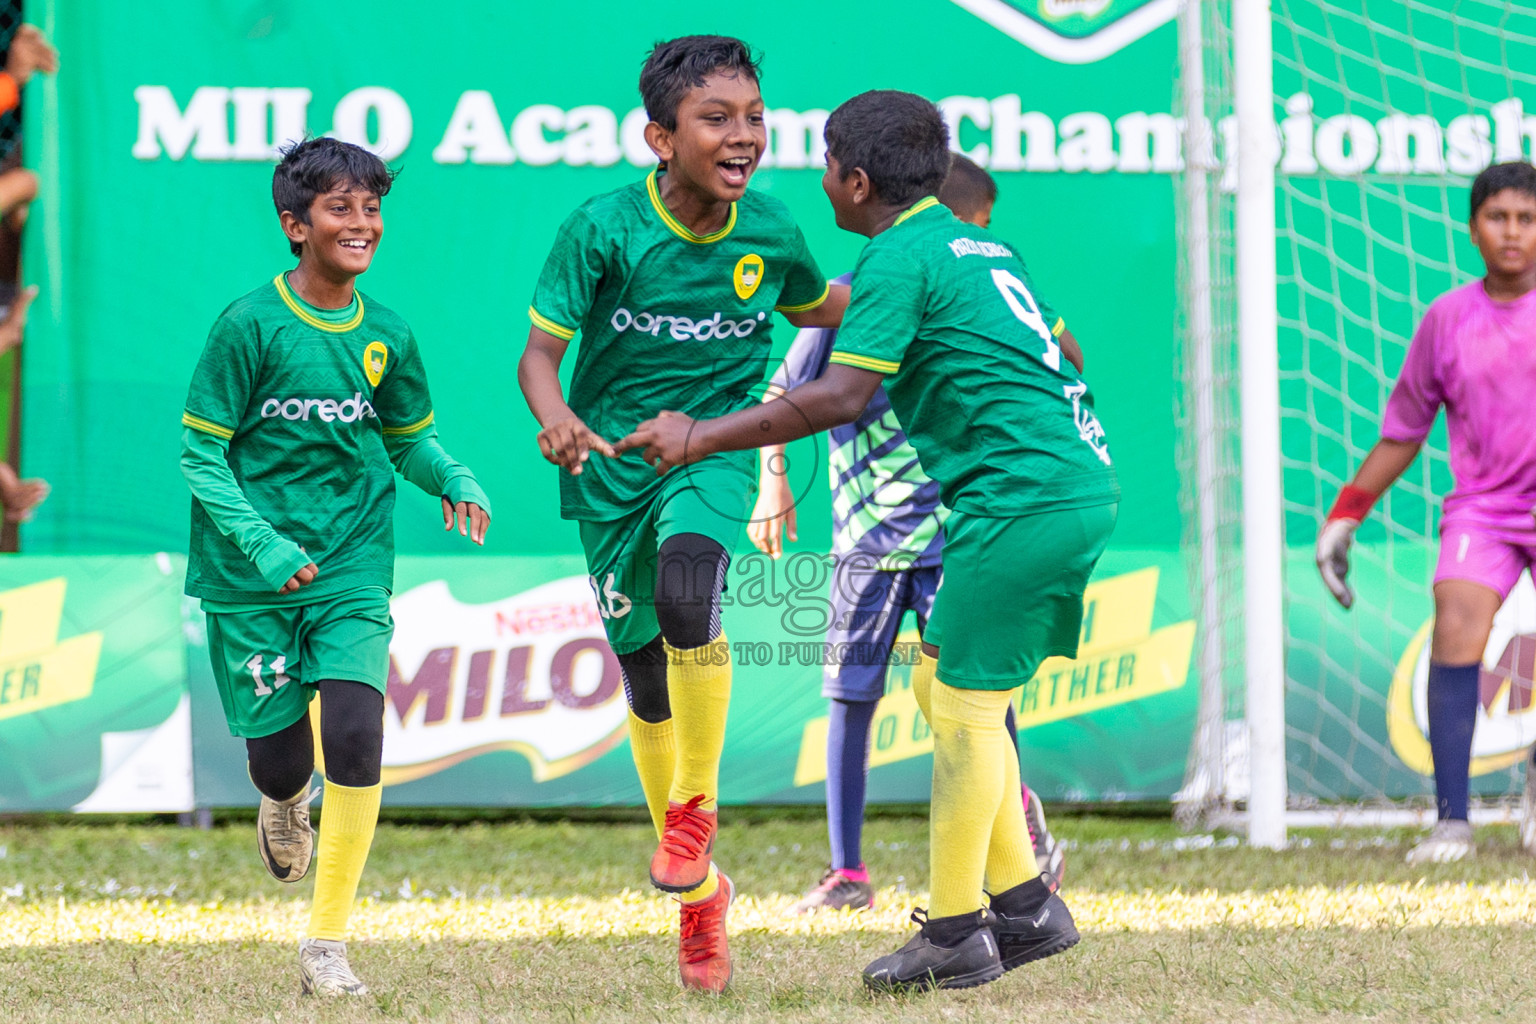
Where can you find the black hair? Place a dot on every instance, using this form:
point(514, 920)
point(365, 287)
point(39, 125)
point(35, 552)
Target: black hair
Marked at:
point(898, 138)
point(1517, 175)
point(312, 167)
point(680, 64)
point(968, 189)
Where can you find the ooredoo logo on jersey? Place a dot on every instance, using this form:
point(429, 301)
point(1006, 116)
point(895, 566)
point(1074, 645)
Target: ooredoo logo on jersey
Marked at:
point(681, 328)
point(327, 410)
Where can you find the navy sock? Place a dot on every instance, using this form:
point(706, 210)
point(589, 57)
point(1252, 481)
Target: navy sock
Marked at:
point(1012, 725)
point(847, 768)
point(1452, 716)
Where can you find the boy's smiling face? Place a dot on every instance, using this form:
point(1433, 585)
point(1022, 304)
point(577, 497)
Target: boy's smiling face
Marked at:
point(343, 232)
point(719, 139)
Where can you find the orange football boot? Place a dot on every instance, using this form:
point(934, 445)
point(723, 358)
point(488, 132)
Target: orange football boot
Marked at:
point(703, 956)
point(681, 861)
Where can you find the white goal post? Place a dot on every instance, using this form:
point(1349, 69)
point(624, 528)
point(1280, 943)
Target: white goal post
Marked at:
point(1329, 147)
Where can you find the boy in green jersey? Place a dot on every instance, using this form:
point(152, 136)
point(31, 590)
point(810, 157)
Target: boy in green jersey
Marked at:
point(308, 397)
point(887, 545)
point(672, 283)
point(973, 358)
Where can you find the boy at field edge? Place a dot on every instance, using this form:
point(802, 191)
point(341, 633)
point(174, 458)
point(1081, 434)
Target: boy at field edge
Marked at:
point(307, 397)
point(1475, 354)
point(672, 283)
point(946, 311)
point(887, 549)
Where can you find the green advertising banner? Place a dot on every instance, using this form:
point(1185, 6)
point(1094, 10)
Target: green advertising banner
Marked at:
point(502, 691)
point(155, 210)
point(155, 213)
point(94, 710)
point(154, 148)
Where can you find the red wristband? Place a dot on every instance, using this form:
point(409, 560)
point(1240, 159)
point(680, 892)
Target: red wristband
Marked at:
point(1353, 503)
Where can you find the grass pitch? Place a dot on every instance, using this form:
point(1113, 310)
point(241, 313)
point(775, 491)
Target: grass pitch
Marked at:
point(538, 922)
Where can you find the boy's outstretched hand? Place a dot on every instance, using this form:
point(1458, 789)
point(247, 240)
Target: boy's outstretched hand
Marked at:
point(773, 514)
point(568, 442)
point(473, 520)
point(664, 442)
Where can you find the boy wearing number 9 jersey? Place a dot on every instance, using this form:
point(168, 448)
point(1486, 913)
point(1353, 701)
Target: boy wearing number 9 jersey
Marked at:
point(946, 315)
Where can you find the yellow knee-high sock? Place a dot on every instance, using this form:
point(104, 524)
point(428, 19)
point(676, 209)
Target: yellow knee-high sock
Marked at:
point(654, 746)
point(699, 687)
point(706, 888)
point(968, 745)
point(922, 684)
point(347, 821)
point(1011, 856)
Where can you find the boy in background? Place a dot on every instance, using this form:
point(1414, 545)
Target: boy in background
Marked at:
point(672, 283)
point(308, 397)
point(947, 312)
point(887, 549)
point(1475, 354)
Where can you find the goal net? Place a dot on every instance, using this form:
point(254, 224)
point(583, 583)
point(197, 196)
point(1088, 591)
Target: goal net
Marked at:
point(1385, 110)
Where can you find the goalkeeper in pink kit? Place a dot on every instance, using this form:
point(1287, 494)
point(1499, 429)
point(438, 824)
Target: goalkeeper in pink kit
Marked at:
point(1475, 354)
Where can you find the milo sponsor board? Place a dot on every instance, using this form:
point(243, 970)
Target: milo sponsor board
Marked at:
point(501, 690)
point(94, 710)
point(1121, 659)
point(1506, 708)
point(531, 672)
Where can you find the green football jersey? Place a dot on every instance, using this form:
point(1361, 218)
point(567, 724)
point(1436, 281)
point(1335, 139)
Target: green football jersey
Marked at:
point(304, 397)
point(668, 320)
point(974, 370)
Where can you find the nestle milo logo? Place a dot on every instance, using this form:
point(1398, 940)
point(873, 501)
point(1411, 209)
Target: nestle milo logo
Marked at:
point(1074, 31)
point(529, 672)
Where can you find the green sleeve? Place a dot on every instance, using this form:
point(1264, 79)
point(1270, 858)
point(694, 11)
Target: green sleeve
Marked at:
point(225, 375)
point(884, 311)
point(421, 459)
point(404, 405)
point(205, 466)
point(805, 286)
point(568, 283)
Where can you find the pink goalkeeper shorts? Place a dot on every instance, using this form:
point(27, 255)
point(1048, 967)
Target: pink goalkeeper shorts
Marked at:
point(1490, 554)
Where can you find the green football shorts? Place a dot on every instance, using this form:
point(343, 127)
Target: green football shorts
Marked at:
point(268, 662)
point(1012, 593)
point(712, 497)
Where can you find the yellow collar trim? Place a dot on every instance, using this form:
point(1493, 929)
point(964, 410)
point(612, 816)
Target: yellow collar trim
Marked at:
point(292, 302)
point(916, 208)
point(678, 229)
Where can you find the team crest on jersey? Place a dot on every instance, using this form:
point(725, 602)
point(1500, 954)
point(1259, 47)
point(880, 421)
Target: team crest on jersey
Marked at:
point(375, 358)
point(748, 275)
point(1074, 31)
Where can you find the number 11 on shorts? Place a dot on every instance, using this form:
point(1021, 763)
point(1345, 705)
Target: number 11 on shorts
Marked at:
point(280, 677)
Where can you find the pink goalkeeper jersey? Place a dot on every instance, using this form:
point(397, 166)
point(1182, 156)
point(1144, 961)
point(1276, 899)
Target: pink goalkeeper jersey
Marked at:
point(1477, 357)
